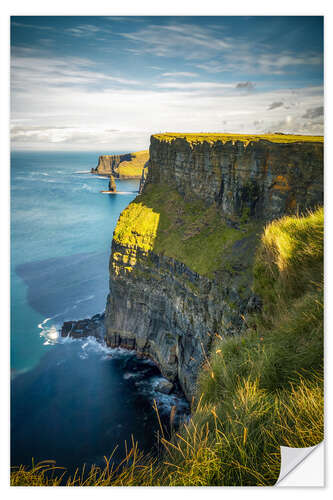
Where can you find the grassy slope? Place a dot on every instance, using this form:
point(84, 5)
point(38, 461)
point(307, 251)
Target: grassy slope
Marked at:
point(258, 391)
point(265, 388)
point(160, 220)
point(246, 138)
point(134, 167)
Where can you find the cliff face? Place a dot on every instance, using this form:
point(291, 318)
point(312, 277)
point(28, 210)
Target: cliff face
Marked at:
point(182, 252)
point(263, 178)
point(107, 164)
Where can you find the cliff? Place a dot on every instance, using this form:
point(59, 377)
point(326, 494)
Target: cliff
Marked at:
point(182, 251)
point(126, 166)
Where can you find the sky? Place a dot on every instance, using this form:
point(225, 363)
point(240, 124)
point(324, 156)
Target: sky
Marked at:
point(108, 83)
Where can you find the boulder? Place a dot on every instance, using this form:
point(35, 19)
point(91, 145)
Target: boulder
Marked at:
point(165, 387)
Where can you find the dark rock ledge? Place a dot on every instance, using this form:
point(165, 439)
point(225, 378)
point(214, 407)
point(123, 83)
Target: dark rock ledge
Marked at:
point(83, 328)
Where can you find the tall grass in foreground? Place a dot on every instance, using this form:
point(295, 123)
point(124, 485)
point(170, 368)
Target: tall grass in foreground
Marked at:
point(257, 391)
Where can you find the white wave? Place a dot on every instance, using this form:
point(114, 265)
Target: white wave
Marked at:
point(49, 181)
point(15, 373)
point(85, 187)
point(90, 344)
point(148, 387)
point(43, 323)
point(120, 192)
point(128, 375)
point(82, 172)
point(51, 335)
point(90, 297)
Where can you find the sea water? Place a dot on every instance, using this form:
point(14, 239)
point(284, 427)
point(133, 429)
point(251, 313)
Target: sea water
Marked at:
point(72, 401)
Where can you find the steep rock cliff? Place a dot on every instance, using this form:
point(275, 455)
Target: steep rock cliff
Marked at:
point(182, 252)
point(264, 177)
point(107, 164)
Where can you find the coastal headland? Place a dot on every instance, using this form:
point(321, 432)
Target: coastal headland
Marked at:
point(125, 166)
point(216, 274)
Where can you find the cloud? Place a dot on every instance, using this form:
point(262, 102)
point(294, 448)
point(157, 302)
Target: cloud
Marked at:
point(251, 59)
point(189, 41)
point(275, 105)
point(314, 112)
point(180, 73)
point(211, 67)
point(245, 85)
point(84, 30)
point(194, 85)
point(60, 134)
point(82, 118)
point(211, 50)
point(38, 69)
point(35, 26)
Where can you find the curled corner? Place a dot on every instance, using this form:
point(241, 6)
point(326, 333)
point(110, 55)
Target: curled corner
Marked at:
point(291, 458)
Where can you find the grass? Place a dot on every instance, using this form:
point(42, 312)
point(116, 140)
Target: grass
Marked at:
point(194, 138)
point(289, 262)
point(160, 220)
point(256, 391)
point(134, 167)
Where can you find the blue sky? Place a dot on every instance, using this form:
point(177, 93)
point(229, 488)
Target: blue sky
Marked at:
point(108, 83)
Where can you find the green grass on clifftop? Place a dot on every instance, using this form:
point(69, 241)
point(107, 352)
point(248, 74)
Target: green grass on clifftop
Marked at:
point(190, 232)
point(290, 260)
point(194, 138)
point(134, 167)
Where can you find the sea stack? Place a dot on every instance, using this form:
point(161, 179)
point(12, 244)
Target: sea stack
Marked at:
point(112, 184)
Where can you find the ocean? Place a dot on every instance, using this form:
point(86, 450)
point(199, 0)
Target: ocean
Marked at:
point(72, 401)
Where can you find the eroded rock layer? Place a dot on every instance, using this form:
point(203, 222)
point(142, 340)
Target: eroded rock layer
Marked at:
point(264, 178)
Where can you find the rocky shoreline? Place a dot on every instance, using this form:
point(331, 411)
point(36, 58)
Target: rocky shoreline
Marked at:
point(94, 327)
point(83, 328)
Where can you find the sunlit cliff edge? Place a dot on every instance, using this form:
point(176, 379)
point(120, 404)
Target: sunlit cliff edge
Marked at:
point(125, 166)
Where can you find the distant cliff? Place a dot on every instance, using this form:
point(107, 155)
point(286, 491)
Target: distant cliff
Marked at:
point(126, 166)
point(183, 250)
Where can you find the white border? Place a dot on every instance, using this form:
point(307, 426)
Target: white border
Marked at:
point(131, 7)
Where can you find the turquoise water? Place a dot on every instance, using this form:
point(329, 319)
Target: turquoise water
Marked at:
point(71, 400)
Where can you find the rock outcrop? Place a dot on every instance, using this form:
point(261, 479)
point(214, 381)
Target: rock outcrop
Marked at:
point(90, 327)
point(143, 176)
point(112, 184)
